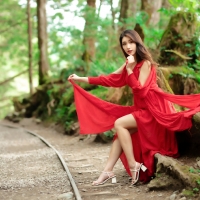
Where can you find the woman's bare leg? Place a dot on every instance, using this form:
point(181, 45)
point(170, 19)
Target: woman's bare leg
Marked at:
point(114, 154)
point(122, 125)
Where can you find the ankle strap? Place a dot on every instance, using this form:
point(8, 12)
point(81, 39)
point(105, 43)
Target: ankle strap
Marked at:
point(107, 173)
point(135, 168)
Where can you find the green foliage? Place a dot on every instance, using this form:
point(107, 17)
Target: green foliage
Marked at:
point(188, 193)
point(14, 37)
point(186, 5)
point(100, 92)
point(153, 36)
point(195, 171)
point(192, 170)
point(71, 113)
point(104, 66)
point(67, 96)
point(187, 72)
point(195, 189)
point(109, 134)
point(14, 49)
point(167, 12)
point(158, 175)
point(195, 54)
point(141, 17)
point(61, 112)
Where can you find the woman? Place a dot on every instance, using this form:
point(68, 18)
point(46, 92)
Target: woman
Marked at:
point(143, 129)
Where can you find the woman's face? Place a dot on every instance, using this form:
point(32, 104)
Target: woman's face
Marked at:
point(129, 46)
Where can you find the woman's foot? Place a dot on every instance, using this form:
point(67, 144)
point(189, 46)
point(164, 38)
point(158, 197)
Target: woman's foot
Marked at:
point(105, 176)
point(135, 171)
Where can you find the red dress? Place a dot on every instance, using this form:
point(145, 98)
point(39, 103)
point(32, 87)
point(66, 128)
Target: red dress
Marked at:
point(153, 111)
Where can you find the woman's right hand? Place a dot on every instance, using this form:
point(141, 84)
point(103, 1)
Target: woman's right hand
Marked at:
point(130, 62)
point(74, 77)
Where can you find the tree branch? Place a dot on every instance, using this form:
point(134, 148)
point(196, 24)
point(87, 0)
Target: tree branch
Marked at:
point(11, 26)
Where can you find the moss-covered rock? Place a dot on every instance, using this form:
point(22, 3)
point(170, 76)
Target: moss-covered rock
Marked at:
point(172, 167)
point(182, 80)
point(177, 41)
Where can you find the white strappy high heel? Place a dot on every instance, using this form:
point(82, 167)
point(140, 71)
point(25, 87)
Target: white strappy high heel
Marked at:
point(114, 180)
point(137, 172)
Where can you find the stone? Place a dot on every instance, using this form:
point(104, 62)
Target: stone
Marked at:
point(183, 198)
point(16, 119)
point(161, 183)
point(173, 197)
point(66, 196)
point(176, 192)
point(38, 121)
point(198, 163)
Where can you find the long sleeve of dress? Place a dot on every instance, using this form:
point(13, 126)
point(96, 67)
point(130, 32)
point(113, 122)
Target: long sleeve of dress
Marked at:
point(111, 80)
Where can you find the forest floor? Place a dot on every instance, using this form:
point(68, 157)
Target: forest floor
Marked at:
point(86, 159)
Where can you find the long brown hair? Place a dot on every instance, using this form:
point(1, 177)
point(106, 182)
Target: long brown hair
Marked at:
point(141, 51)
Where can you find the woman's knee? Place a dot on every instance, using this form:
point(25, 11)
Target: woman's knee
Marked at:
point(127, 122)
point(118, 124)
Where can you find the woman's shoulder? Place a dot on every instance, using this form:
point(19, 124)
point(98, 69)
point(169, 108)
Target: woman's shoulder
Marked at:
point(143, 63)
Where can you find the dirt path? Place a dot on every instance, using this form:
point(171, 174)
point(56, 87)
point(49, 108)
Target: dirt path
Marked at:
point(85, 159)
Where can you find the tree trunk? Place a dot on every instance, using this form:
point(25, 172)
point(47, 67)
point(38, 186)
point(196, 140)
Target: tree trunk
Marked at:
point(99, 9)
point(132, 8)
point(29, 47)
point(42, 40)
point(128, 10)
point(113, 14)
point(123, 15)
point(166, 4)
point(89, 34)
point(151, 8)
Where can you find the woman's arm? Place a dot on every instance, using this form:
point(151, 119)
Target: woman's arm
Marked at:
point(74, 77)
point(115, 79)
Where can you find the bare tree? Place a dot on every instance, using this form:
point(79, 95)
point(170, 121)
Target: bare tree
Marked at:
point(123, 14)
point(151, 8)
point(99, 8)
point(89, 34)
point(29, 47)
point(132, 8)
point(128, 10)
point(113, 14)
point(42, 40)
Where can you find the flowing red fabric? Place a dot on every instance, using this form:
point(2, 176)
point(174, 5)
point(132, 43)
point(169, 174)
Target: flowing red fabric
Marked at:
point(153, 111)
